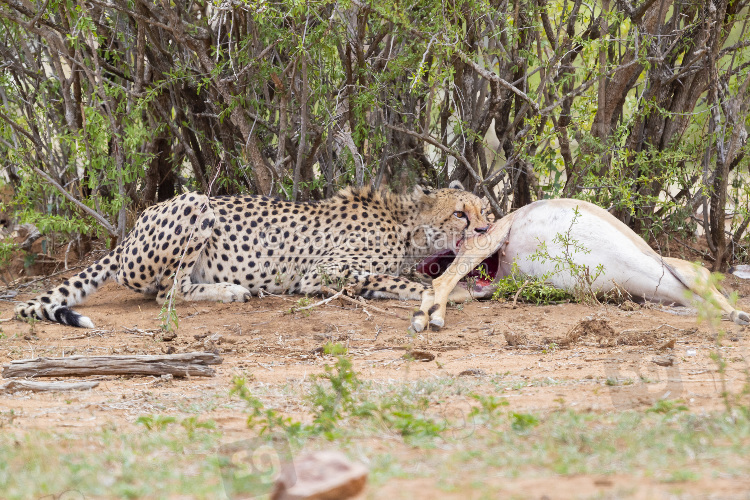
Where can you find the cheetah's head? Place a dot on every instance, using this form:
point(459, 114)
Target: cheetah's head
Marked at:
point(451, 215)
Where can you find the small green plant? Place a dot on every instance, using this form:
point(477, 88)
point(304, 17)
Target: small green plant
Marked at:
point(32, 321)
point(583, 276)
point(530, 289)
point(488, 409)
point(192, 424)
point(7, 249)
point(522, 422)
point(335, 397)
point(414, 424)
point(666, 406)
point(278, 278)
point(335, 349)
point(550, 348)
point(614, 381)
point(170, 321)
point(155, 422)
point(681, 476)
point(326, 279)
point(267, 419)
point(301, 303)
point(333, 400)
point(7, 417)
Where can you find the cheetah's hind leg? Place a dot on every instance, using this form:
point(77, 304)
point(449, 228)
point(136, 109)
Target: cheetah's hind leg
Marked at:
point(188, 270)
point(370, 286)
point(384, 286)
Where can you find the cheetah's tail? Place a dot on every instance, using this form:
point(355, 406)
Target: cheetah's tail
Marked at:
point(53, 312)
point(54, 305)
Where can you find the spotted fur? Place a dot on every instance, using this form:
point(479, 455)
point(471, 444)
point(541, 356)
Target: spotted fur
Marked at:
point(227, 248)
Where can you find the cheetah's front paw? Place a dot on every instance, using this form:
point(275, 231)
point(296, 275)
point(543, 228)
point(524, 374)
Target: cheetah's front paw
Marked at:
point(234, 293)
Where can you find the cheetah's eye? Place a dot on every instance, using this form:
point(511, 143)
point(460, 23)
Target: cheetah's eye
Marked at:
point(459, 214)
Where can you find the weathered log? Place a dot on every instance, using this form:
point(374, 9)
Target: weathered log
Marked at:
point(30, 385)
point(179, 365)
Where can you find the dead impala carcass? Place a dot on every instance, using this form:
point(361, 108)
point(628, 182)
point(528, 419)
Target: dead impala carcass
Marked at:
point(583, 238)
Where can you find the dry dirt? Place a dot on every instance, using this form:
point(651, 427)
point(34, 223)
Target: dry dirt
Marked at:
point(575, 348)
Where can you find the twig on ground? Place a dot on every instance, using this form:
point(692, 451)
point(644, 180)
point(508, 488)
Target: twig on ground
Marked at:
point(91, 333)
point(670, 326)
point(319, 303)
point(362, 303)
point(520, 289)
point(76, 337)
point(411, 308)
point(138, 331)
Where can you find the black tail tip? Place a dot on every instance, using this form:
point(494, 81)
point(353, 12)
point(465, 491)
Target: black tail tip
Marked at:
point(69, 317)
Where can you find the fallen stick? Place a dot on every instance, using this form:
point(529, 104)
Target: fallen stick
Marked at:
point(76, 337)
point(320, 303)
point(138, 331)
point(178, 365)
point(515, 298)
point(362, 303)
point(30, 385)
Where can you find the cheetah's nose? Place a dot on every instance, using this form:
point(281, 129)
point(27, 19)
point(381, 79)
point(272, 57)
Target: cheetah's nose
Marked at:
point(482, 230)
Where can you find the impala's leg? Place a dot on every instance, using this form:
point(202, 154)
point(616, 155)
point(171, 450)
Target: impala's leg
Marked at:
point(697, 278)
point(472, 253)
point(420, 318)
point(445, 287)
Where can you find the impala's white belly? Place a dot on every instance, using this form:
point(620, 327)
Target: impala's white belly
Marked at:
point(594, 238)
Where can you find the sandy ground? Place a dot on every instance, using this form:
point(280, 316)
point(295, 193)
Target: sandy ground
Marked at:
point(262, 338)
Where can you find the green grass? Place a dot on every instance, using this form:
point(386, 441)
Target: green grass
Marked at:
point(529, 289)
point(407, 430)
point(485, 437)
point(110, 463)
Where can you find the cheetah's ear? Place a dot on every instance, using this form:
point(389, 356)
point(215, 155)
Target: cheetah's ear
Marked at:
point(423, 197)
point(456, 185)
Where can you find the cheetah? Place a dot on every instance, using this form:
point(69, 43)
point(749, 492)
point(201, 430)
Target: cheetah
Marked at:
point(228, 248)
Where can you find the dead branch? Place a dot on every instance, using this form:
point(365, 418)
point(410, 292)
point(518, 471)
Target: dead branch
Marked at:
point(319, 303)
point(362, 303)
point(179, 365)
point(520, 289)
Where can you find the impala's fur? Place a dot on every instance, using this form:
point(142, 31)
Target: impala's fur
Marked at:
point(629, 263)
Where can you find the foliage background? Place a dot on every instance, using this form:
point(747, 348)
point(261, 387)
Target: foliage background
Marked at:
point(112, 105)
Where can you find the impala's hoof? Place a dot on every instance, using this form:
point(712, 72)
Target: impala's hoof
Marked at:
point(418, 321)
point(437, 323)
point(740, 317)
